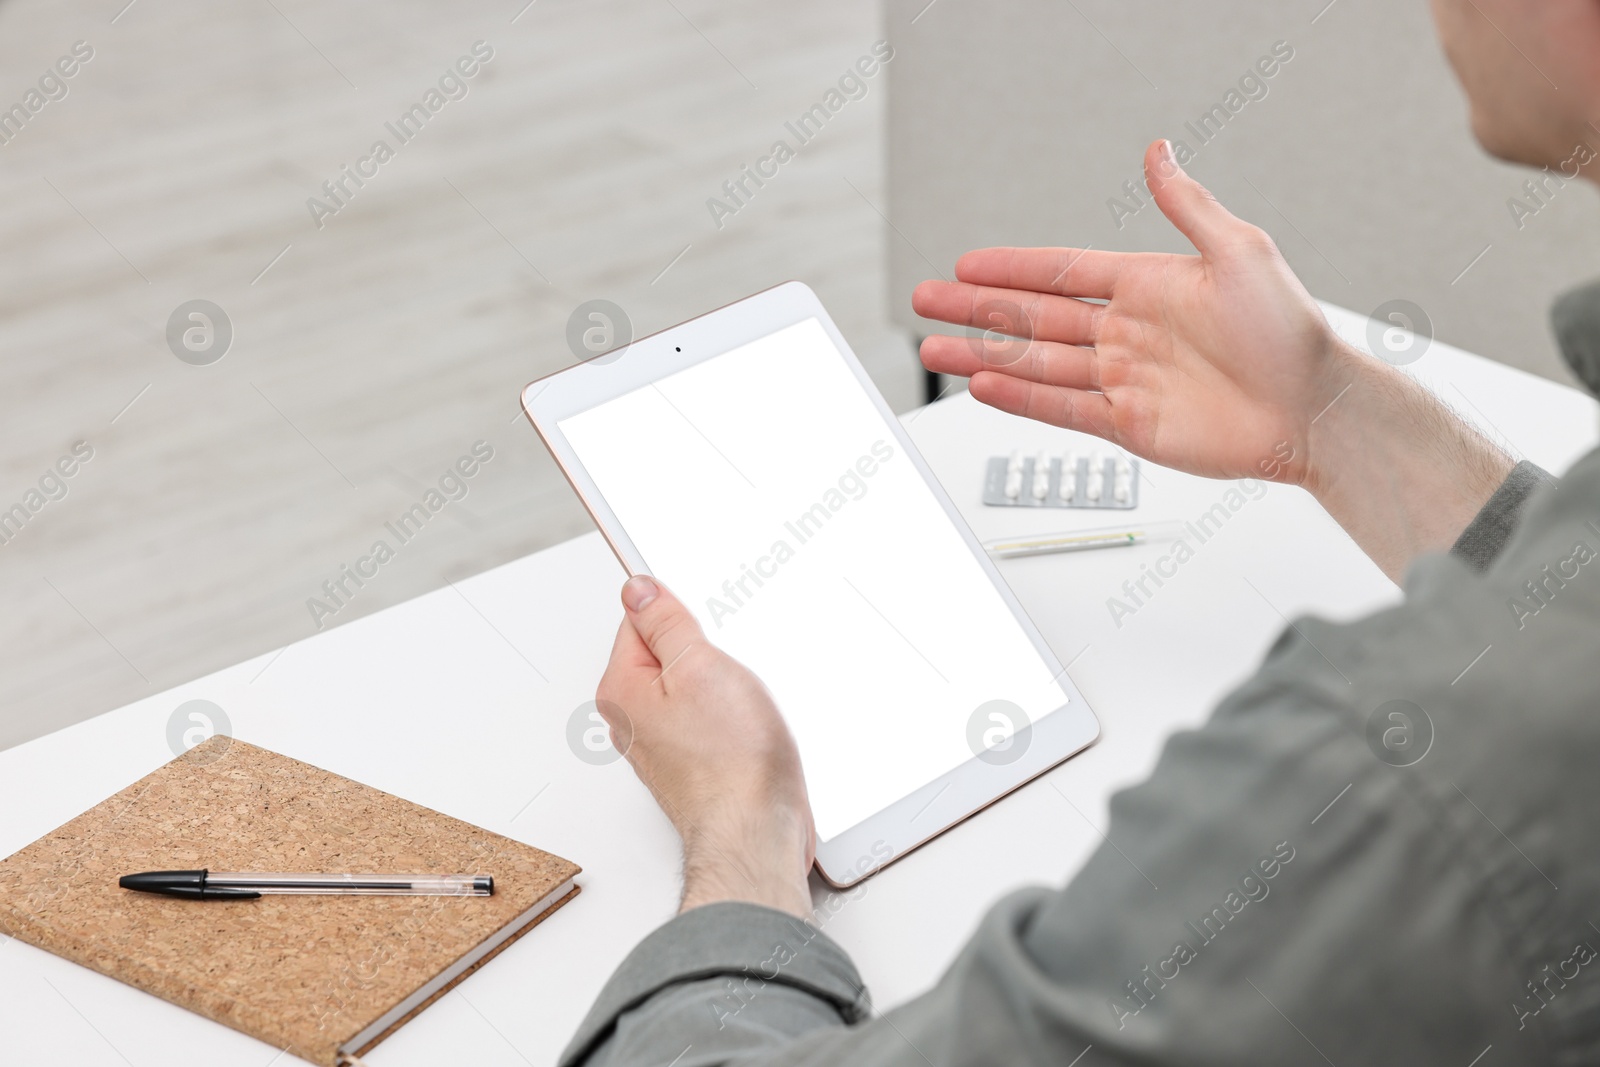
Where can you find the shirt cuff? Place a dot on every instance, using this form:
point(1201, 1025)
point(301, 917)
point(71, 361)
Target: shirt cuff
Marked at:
point(1491, 528)
point(728, 939)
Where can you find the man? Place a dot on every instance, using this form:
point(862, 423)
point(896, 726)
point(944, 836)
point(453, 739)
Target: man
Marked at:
point(1442, 913)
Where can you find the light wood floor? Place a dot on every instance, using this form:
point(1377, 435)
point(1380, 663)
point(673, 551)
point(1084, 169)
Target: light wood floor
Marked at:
point(371, 353)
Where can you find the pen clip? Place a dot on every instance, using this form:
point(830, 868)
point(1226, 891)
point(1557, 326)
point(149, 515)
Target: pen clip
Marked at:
point(192, 893)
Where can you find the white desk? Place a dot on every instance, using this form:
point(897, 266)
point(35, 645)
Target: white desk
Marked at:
point(431, 701)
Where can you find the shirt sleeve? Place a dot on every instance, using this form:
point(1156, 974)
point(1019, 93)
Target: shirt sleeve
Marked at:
point(726, 977)
point(1369, 854)
point(1489, 530)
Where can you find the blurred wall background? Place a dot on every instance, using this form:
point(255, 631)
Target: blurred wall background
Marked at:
point(374, 346)
point(371, 353)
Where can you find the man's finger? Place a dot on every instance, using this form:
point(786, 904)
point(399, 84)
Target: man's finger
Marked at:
point(629, 651)
point(1063, 271)
point(1186, 203)
point(1045, 362)
point(629, 671)
point(1013, 312)
point(1074, 409)
point(661, 620)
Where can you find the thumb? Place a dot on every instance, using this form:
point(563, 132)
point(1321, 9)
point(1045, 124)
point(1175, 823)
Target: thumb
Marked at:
point(660, 619)
point(1186, 203)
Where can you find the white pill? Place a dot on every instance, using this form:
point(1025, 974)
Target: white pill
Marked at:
point(1013, 485)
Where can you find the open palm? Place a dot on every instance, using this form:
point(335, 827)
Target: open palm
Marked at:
point(1214, 364)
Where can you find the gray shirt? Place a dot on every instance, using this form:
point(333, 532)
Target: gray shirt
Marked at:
point(1384, 848)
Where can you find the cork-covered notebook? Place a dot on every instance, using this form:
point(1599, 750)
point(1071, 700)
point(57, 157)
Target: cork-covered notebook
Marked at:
point(325, 977)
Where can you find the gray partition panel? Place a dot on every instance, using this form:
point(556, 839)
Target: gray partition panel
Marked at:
point(1020, 122)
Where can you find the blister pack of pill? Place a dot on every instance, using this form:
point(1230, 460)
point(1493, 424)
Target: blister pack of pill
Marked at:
point(1072, 479)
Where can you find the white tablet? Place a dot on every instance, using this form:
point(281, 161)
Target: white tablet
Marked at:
point(746, 460)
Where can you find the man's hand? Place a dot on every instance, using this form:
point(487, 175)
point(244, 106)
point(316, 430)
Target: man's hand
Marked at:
point(703, 734)
point(1220, 365)
point(1204, 363)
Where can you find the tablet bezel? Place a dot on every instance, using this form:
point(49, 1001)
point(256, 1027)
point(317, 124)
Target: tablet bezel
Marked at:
point(879, 840)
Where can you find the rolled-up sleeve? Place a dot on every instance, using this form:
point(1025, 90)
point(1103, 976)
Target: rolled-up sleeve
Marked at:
point(1489, 530)
point(726, 977)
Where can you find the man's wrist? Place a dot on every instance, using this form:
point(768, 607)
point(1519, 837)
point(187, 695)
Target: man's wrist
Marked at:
point(1394, 465)
point(757, 865)
point(1380, 420)
point(793, 897)
point(722, 878)
point(1355, 383)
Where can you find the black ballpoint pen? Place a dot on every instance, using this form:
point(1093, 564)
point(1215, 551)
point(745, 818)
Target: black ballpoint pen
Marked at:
point(244, 885)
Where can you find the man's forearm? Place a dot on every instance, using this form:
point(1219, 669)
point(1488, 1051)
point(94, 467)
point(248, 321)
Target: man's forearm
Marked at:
point(755, 860)
point(1396, 468)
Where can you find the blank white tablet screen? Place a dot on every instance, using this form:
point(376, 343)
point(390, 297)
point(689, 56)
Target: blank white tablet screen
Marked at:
point(765, 489)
